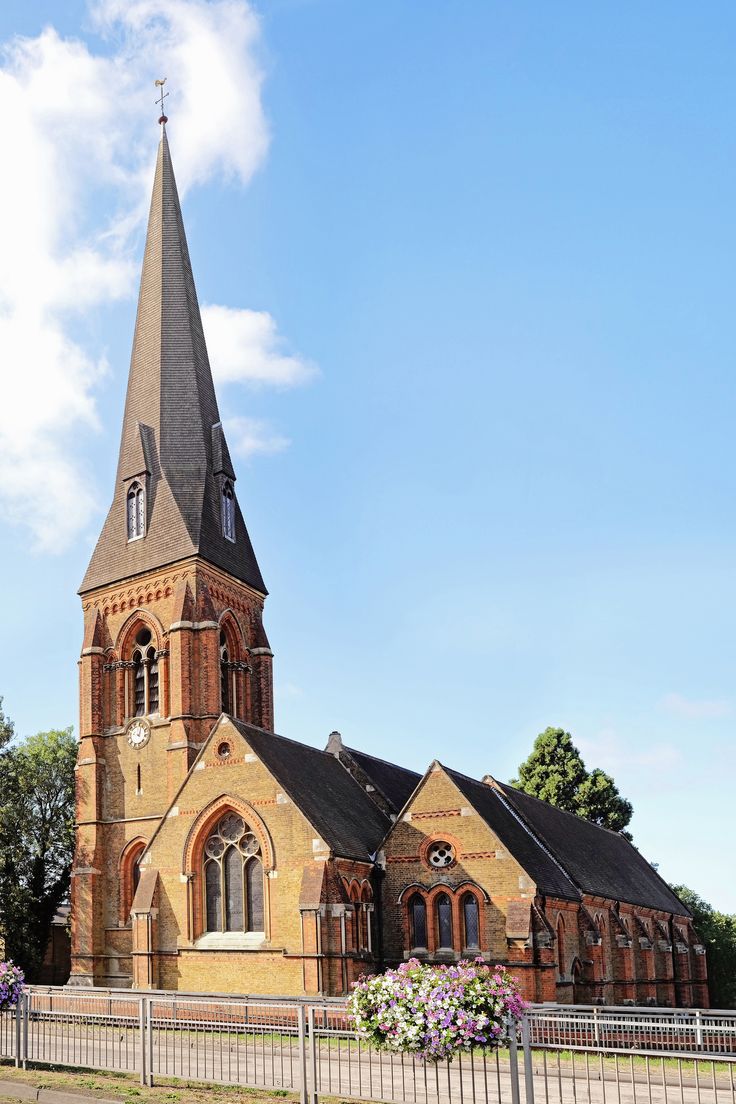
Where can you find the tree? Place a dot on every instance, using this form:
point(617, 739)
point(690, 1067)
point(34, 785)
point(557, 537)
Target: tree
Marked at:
point(718, 933)
point(6, 727)
point(36, 840)
point(555, 772)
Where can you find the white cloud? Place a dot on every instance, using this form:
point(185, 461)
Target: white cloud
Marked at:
point(71, 150)
point(249, 436)
point(245, 347)
point(696, 709)
point(612, 752)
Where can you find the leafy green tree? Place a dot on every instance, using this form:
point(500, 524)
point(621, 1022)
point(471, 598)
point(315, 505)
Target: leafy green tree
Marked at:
point(555, 772)
point(36, 840)
point(718, 932)
point(6, 727)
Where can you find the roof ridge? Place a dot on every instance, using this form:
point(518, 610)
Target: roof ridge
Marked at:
point(378, 759)
point(277, 736)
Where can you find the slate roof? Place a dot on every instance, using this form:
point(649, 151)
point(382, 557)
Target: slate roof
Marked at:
point(349, 822)
point(548, 875)
point(600, 862)
point(171, 426)
point(397, 784)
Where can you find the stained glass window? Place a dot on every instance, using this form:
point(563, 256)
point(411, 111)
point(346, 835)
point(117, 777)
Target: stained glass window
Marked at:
point(444, 921)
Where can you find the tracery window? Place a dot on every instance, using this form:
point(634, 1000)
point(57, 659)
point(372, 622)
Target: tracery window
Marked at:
point(471, 927)
point(228, 511)
point(233, 878)
point(136, 511)
point(441, 854)
point(418, 921)
point(443, 908)
point(145, 675)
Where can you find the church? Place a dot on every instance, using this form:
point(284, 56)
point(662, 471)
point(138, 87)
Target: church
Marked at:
point(213, 855)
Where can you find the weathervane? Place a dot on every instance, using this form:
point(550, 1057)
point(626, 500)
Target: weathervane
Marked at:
point(160, 84)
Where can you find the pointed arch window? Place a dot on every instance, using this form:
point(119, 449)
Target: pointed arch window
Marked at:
point(228, 511)
point(418, 921)
point(233, 878)
point(471, 926)
point(136, 511)
point(444, 922)
point(145, 675)
point(561, 946)
point(225, 675)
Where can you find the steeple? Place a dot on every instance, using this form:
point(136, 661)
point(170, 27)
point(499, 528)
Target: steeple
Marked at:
point(173, 452)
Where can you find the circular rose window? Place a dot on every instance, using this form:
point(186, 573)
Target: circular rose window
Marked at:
point(441, 854)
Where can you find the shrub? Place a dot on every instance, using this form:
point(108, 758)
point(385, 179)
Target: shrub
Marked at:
point(436, 1012)
point(12, 983)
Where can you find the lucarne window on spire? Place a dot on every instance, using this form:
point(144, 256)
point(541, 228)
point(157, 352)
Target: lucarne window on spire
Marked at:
point(228, 511)
point(136, 511)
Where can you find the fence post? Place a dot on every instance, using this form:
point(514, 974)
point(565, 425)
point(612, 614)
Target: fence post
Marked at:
point(17, 1014)
point(526, 1042)
point(699, 1029)
point(312, 1034)
point(301, 1021)
point(142, 1038)
point(596, 1026)
point(513, 1061)
point(149, 1037)
point(26, 1000)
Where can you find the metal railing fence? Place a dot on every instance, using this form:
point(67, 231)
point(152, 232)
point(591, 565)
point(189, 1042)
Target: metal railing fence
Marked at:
point(654, 1030)
point(562, 1055)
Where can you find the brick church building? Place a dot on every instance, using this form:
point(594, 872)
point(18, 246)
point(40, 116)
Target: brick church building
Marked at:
point(215, 855)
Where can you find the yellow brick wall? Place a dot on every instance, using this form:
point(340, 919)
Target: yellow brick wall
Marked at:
point(440, 811)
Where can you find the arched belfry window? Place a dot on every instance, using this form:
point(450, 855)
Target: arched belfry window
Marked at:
point(145, 675)
point(136, 511)
point(225, 675)
point(233, 878)
point(228, 511)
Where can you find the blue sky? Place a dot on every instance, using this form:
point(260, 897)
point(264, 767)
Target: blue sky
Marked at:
point(486, 460)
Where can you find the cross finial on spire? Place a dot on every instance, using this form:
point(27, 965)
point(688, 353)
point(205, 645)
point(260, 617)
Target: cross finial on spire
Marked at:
point(160, 84)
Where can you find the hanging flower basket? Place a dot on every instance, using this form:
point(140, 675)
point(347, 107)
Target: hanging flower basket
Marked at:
point(12, 984)
point(436, 1012)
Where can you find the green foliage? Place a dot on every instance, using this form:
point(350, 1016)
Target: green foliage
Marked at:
point(555, 772)
point(36, 840)
point(718, 933)
point(6, 727)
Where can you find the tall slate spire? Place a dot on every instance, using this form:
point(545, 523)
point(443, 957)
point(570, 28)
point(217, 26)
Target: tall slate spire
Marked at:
point(172, 439)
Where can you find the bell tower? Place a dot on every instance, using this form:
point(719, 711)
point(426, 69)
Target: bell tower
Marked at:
point(172, 599)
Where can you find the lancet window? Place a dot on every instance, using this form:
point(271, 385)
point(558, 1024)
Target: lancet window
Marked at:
point(233, 878)
point(225, 675)
point(228, 511)
point(145, 675)
point(136, 511)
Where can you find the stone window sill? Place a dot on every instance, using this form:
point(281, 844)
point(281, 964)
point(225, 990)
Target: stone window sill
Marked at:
point(230, 941)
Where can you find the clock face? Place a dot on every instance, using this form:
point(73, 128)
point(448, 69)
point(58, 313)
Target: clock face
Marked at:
point(138, 734)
